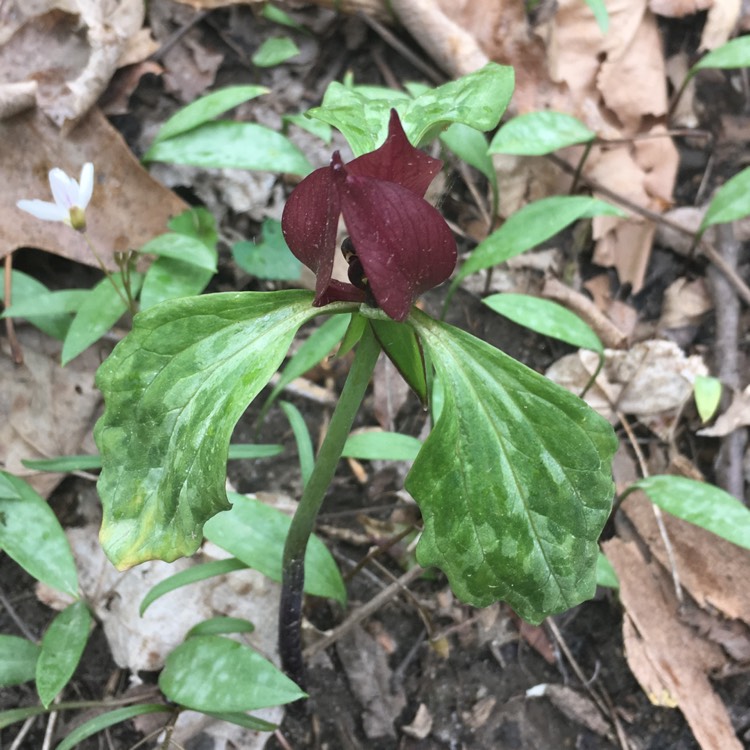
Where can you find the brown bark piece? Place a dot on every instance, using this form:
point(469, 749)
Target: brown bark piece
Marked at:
point(659, 646)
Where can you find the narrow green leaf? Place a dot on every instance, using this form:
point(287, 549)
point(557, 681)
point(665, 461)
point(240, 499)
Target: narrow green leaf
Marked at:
point(471, 146)
point(62, 648)
point(314, 349)
point(25, 288)
point(401, 345)
point(167, 278)
point(221, 626)
point(599, 9)
point(108, 719)
point(377, 445)
point(731, 201)
point(255, 533)
point(206, 108)
point(733, 54)
point(707, 393)
point(174, 388)
point(270, 258)
point(701, 504)
point(190, 575)
point(538, 133)
point(302, 438)
point(234, 145)
point(183, 248)
point(276, 15)
point(17, 660)
point(530, 226)
point(243, 451)
point(545, 317)
point(605, 573)
point(243, 720)
point(101, 309)
point(19, 714)
point(514, 482)
point(275, 51)
point(215, 674)
point(31, 534)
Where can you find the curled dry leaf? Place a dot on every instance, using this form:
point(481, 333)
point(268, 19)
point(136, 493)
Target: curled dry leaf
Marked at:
point(722, 19)
point(685, 303)
point(128, 207)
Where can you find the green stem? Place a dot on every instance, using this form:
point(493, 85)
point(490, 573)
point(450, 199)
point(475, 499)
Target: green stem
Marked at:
point(129, 303)
point(293, 573)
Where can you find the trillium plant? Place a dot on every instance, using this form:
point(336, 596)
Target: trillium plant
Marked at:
point(513, 482)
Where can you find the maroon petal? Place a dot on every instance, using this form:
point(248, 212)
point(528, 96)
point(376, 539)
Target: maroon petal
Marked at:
point(309, 224)
point(339, 291)
point(403, 243)
point(397, 161)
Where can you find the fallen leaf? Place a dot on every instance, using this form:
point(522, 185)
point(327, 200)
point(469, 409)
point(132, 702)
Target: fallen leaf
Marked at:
point(421, 724)
point(685, 303)
point(128, 207)
point(678, 8)
point(576, 706)
point(666, 656)
point(722, 19)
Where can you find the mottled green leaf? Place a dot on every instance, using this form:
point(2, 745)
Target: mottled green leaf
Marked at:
point(167, 278)
point(514, 482)
point(215, 674)
point(255, 533)
point(62, 648)
point(174, 388)
point(700, 503)
point(31, 534)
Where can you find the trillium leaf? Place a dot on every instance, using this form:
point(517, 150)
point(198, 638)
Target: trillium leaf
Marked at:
point(174, 388)
point(514, 482)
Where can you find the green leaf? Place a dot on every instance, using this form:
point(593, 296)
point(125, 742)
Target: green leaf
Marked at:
point(108, 719)
point(198, 223)
point(538, 133)
point(206, 108)
point(402, 347)
point(19, 714)
point(276, 15)
point(313, 350)
point(319, 129)
point(701, 504)
point(275, 51)
point(377, 445)
point(242, 451)
point(731, 201)
point(477, 100)
point(545, 317)
point(183, 248)
point(471, 146)
point(25, 288)
point(193, 574)
point(48, 304)
point(270, 258)
point(62, 648)
point(707, 393)
point(174, 388)
point(170, 279)
point(243, 720)
point(234, 145)
point(221, 626)
point(734, 54)
point(31, 534)
point(599, 9)
point(215, 674)
point(255, 533)
point(17, 660)
point(605, 573)
point(530, 226)
point(102, 308)
point(302, 438)
point(514, 482)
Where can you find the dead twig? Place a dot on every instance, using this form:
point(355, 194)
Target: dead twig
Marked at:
point(361, 613)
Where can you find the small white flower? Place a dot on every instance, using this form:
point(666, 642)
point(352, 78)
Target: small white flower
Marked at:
point(71, 198)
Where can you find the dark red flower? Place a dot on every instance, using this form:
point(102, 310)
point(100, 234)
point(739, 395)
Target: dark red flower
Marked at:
point(399, 245)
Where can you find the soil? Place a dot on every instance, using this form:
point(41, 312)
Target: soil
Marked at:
point(474, 679)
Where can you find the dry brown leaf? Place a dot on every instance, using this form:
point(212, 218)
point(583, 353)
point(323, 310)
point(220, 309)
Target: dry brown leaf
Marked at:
point(16, 98)
point(683, 115)
point(722, 20)
point(45, 410)
point(128, 207)
point(736, 416)
point(211, 4)
point(666, 656)
point(421, 724)
point(678, 8)
point(685, 303)
point(576, 706)
point(72, 68)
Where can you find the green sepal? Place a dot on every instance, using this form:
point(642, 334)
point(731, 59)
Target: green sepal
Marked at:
point(400, 343)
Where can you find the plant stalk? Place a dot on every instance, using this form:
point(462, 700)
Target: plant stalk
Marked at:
point(293, 567)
